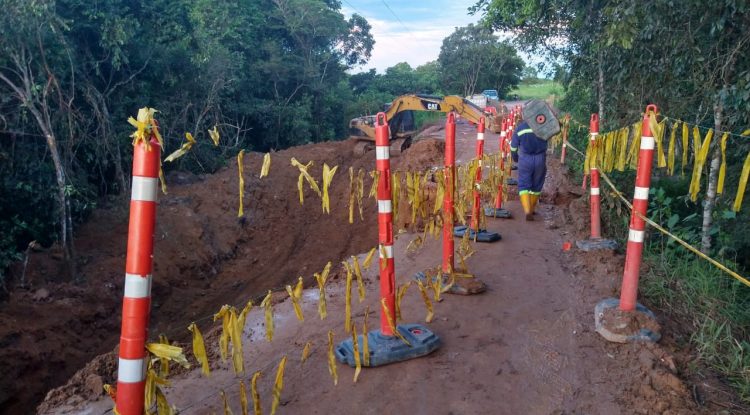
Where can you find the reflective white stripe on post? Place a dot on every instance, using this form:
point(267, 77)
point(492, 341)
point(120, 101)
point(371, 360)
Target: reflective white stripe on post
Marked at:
point(137, 286)
point(594, 191)
point(502, 134)
point(641, 193)
point(131, 370)
point(636, 236)
point(388, 250)
point(480, 136)
point(144, 189)
point(594, 134)
point(647, 143)
point(565, 144)
point(382, 153)
point(385, 206)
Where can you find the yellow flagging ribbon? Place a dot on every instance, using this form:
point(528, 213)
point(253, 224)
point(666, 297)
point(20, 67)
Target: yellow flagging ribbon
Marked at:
point(657, 131)
point(199, 349)
point(254, 393)
point(400, 292)
point(723, 168)
point(332, 359)
point(328, 173)
point(742, 184)
point(186, 146)
point(214, 134)
point(268, 310)
point(427, 302)
point(266, 167)
point(670, 154)
point(368, 259)
point(306, 352)
point(355, 349)
point(145, 126)
point(348, 298)
point(365, 340)
point(701, 153)
point(295, 294)
point(360, 281)
point(240, 158)
point(243, 398)
point(278, 386)
point(305, 175)
point(689, 247)
point(391, 324)
point(684, 147)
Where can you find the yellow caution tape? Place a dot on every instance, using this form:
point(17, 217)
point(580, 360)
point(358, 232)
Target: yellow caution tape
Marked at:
point(657, 130)
point(689, 247)
point(236, 338)
point(243, 315)
point(306, 352)
point(223, 314)
point(162, 406)
point(254, 393)
point(266, 167)
point(352, 194)
point(375, 175)
point(322, 310)
point(227, 410)
point(670, 154)
point(278, 386)
point(268, 309)
point(162, 179)
point(360, 280)
point(395, 196)
point(332, 359)
point(701, 153)
point(622, 150)
point(145, 126)
point(365, 340)
point(427, 302)
point(723, 168)
point(368, 259)
point(169, 352)
point(327, 177)
point(684, 147)
point(163, 362)
point(742, 184)
point(296, 295)
point(199, 349)
point(360, 192)
point(243, 398)
point(355, 349)
point(400, 292)
point(305, 175)
point(391, 324)
point(214, 134)
point(240, 157)
point(348, 298)
point(183, 149)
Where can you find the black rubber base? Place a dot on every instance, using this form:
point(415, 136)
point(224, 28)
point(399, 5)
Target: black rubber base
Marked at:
point(642, 335)
point(596, 244)
point(391, 349)
point(497, 213)
point(514, 167)
point(481, 236)
point(511, 182)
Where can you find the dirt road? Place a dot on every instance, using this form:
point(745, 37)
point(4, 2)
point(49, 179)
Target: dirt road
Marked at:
point(526, 346)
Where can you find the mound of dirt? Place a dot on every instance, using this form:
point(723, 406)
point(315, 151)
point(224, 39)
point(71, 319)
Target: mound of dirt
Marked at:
point(422, 154)
point(204, 257)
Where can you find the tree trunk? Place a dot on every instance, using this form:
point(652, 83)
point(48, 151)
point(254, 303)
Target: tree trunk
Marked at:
point(713, 176)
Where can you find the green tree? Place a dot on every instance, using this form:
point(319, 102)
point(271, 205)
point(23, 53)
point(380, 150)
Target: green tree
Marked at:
point(472, 58)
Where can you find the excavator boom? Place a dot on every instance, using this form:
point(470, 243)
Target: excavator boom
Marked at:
point(363, 128)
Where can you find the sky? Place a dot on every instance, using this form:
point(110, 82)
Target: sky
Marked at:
point(409, 30)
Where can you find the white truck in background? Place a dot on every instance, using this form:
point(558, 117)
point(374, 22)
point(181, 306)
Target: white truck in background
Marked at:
point(489, 101)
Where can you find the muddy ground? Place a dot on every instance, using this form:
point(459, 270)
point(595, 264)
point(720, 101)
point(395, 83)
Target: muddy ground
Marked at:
point(527, 346)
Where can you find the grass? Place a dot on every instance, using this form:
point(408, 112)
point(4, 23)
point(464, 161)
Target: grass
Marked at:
point(712, 304)
point(541, 90)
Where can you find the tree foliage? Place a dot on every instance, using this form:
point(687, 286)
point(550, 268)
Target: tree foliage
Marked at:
point(472, 58)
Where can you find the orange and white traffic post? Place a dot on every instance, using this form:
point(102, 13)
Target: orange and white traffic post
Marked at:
point(132, 363)
point(595, 241)
point(393, 342)
point(627, 304)
point(497, 210)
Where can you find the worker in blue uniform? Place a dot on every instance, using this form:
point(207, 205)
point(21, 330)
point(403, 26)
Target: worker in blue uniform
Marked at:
point(529, 152)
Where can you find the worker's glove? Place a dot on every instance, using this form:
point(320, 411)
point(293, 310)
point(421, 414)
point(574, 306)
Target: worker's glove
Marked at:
point(514, 156)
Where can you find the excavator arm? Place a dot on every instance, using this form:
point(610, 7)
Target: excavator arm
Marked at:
point(363, 128)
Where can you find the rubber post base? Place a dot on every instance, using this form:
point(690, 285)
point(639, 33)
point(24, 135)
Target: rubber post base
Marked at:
point(497, 213)
point(481, 236)
point(514, 167)
point(596, 244)
point(390, 349)
point(613, 331)
point(511, 182)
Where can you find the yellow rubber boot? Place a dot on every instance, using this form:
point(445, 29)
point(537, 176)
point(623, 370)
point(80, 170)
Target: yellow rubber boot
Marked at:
point(534, 199)
point(526, 203)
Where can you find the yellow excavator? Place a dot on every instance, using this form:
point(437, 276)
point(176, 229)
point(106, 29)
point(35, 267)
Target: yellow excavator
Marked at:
point(401, 119)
